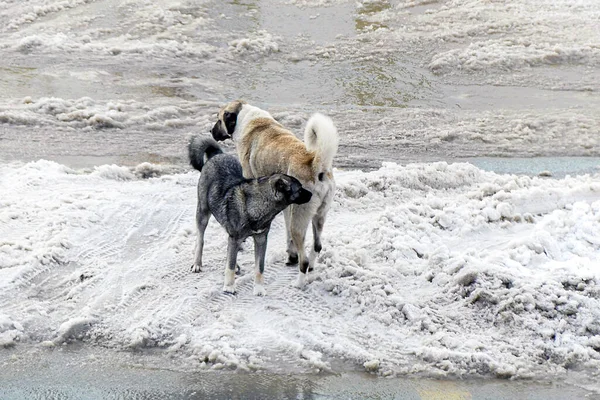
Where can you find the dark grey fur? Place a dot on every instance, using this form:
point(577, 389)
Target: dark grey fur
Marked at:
point(244, 207)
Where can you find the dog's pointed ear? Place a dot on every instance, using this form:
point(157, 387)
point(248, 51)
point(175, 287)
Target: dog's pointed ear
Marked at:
point(230, 120)
point(282, 185)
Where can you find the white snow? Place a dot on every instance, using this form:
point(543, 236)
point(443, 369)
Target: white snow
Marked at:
point(434, 268)
point(261, 43)
point(315, 3)
point(10, 331)
point(157, 29)
point(89, 113)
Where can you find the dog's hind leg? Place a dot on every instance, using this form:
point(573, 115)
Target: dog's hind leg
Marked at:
point(202, 217)
point(299, 223)
point(233, 245)
point(291, 247)
point(260, 249)
point(317, 226)
point(318, 221)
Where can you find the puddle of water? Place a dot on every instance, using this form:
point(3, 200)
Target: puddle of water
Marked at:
point(83, 374)
point(388, 83)
point(368, 9)
point(556, 167)
point(16, 71)
point(171, 91)
point(489, 97)
point(321, 25)
point(423, 6)
point(14, 78)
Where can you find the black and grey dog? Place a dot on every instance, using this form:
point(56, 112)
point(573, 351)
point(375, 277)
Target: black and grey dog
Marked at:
point(244, 207)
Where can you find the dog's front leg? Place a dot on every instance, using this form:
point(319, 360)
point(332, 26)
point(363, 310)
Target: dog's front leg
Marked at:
point(233, 246)
point(291, 247)
point(260, 249)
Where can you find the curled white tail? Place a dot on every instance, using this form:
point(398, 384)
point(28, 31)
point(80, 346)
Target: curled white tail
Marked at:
point(320, 136)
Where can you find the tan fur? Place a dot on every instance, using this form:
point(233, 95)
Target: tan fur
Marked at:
point(278, 151)
point(265, 147)
point(233, 107)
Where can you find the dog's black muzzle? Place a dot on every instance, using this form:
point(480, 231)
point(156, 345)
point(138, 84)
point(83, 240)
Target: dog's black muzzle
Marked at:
point(218, 133)
point(301, 197)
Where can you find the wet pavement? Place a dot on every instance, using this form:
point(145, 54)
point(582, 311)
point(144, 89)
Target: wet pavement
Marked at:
point(65, 375)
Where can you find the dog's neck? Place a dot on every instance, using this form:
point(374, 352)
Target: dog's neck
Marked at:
point(247, 114)
point(261, 208)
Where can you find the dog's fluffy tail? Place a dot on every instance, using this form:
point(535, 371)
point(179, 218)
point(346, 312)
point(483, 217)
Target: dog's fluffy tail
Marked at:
point(201, 149)
point(320, 136)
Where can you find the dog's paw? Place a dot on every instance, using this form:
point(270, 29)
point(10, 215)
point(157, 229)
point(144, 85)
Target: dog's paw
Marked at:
point(292, 259)
point(300, 281)
point(238, 270)
point(196, 268)
point(259, 290)
point(229, 289)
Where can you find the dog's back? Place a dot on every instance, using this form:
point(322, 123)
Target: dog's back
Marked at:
point(267, 147)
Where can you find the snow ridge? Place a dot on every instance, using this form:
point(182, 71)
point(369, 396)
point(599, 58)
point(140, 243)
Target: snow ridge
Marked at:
point(434, 268)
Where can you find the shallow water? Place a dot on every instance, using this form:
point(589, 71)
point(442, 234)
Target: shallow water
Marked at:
point(80, 374)
point(404, 82)
point(556, 167)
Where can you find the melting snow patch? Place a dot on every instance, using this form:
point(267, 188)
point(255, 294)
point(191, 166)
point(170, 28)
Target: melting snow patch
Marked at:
point(433, 268)
point(261, 43)
point(10, 331)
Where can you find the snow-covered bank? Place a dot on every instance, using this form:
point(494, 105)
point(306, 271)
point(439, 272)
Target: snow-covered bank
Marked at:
point(433, 268)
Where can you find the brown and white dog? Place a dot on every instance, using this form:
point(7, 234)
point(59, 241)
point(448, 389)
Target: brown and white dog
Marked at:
point(265, 147)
